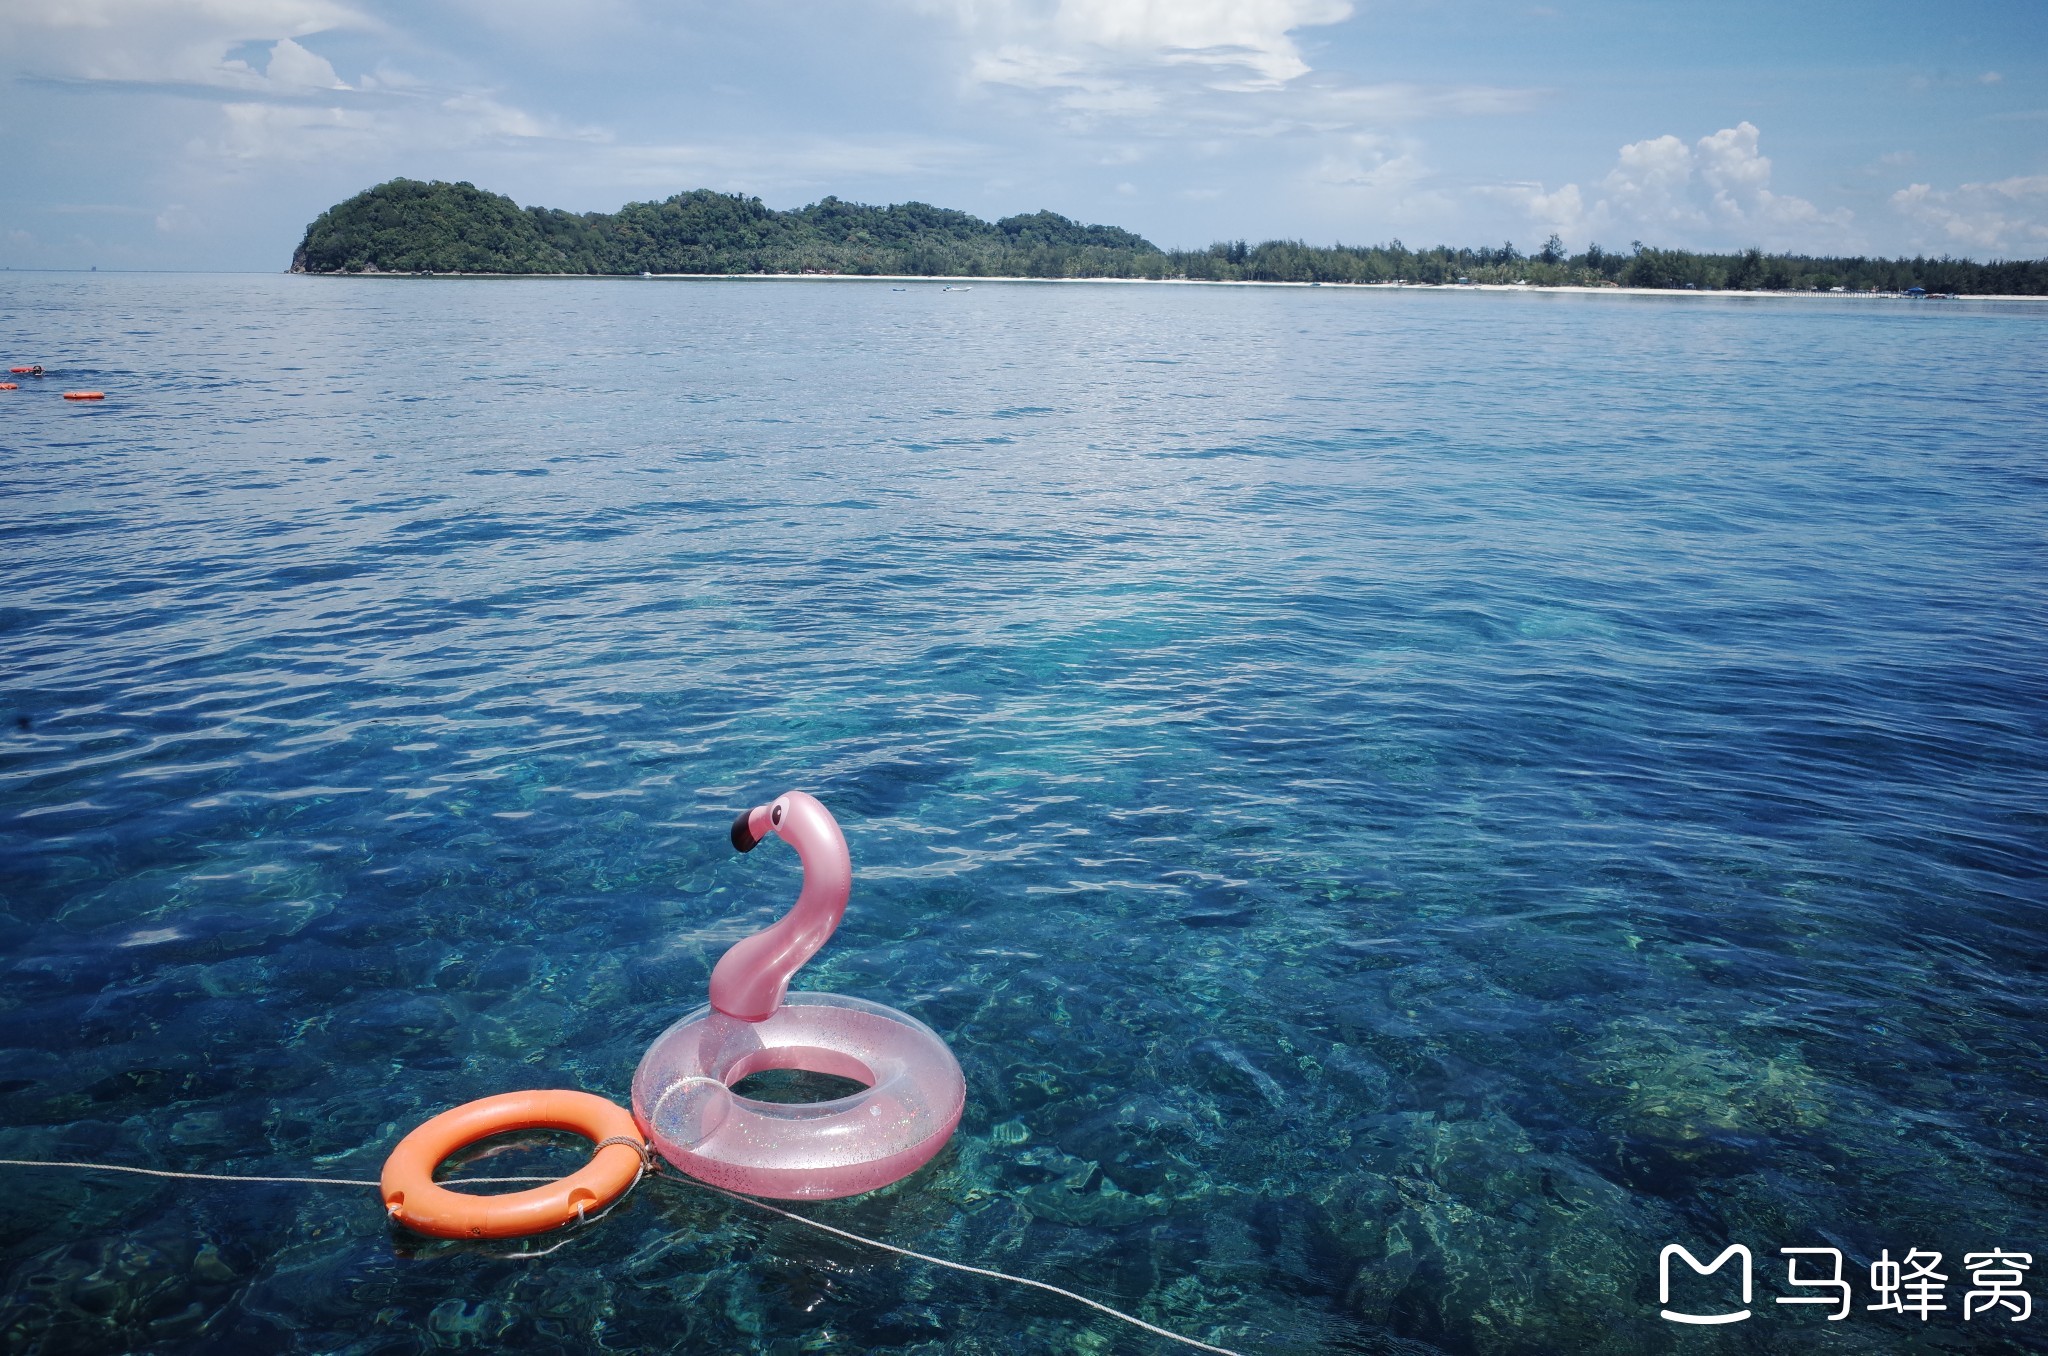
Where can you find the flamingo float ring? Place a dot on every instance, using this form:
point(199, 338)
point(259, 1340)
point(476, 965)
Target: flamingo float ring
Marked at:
point(683, 1096)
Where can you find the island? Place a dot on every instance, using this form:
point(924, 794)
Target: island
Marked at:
point(411, 227)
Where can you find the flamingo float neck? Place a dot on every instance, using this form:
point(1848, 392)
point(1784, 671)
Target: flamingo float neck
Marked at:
point(750, 979)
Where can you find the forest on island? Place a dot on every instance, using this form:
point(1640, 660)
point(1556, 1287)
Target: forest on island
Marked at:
point(407, 226)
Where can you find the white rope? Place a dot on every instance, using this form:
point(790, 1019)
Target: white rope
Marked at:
point(231, 1177)
point(192, 1176)
point(957, 1266)
point(1099, 1307)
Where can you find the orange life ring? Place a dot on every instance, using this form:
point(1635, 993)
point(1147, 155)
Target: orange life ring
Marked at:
point(418, 1202)
point(85, 395)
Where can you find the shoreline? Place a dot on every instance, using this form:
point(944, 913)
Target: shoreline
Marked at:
point(969, 280)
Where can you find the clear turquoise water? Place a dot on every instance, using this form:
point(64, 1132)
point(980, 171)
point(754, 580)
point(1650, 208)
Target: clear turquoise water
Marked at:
point(1402, 804)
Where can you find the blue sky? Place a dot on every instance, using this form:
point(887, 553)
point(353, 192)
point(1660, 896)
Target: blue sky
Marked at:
point(207, 133)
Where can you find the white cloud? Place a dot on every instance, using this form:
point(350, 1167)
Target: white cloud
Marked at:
point(1379, 165)
point(1714, 193)
point(181, 42)
point(1086, 45)
point(2009, 216)
point(296, 104)
point(1650, 182)
point(288, 132)
point(1562, 211)
point(1237, 35)
point(264, 131)
point(1214, 78)
point(1400, 102)
point(293, 67)
point(480, 117)
point(1376, 183)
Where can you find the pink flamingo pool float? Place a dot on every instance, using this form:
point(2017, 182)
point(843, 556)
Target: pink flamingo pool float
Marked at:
point(682, 1091)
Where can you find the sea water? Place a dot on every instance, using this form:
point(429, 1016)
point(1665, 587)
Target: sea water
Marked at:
point(1404, 804)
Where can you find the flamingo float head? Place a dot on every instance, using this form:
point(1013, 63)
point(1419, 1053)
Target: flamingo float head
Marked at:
point(749, 980)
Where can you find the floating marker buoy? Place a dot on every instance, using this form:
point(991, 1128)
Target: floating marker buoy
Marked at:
point(10, 386)
point(35, 371)
point(85, 395)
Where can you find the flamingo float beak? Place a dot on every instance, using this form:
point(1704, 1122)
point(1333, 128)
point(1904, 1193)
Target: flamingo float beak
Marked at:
point(751, 827)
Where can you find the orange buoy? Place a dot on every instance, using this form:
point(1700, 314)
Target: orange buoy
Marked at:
point(417, 1201)
point(85, 395)
point(10, 386)
point(23, 371)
